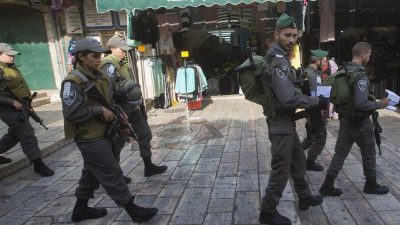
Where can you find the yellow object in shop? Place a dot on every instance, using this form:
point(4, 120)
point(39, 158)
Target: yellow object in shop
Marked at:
point(295, 58)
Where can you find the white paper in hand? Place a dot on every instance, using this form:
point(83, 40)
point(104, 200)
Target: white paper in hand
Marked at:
point(324, 91)
point(394, 98)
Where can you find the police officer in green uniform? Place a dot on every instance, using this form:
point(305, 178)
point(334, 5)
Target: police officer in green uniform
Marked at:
point(86, 120)
point(114, 66)
point(13, 89)
point(313, 73)
point(288, 158)
point(356, 126)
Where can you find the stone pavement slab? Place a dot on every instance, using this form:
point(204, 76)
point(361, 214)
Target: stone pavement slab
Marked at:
point(219, 166)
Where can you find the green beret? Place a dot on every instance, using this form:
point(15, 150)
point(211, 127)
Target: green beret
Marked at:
point(319, 53)
point(285, 21)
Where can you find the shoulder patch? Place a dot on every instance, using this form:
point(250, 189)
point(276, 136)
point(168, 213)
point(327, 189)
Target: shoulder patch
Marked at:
point(110, 70)
point(362, 85)
point(69, 95)
point(281, 74)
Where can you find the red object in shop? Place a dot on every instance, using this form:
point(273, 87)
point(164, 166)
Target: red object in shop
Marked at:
point(194, 105)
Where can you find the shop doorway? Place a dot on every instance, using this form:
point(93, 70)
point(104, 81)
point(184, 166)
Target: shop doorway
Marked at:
point(24, 29)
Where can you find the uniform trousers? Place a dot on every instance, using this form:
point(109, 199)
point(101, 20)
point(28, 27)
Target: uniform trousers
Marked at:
point(318, 140)
point(19, 130)
point(143, 134)
point(101, 167)
point(362, 134)
point(288, 158)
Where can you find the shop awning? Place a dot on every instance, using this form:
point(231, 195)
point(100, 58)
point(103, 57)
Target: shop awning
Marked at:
point(117, 5)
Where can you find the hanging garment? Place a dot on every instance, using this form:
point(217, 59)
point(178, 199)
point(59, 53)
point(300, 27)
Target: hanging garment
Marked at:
point(183, 84)
point(223, 18)
point(202, 79)
point(245, 35)
point(246, 19)
point(146, 79)
point(195, 81)
point(145, 27)
point(234, 17)
point(327, 15)
point(166, 43)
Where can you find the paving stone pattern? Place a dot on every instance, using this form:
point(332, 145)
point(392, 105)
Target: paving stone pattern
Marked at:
point(219, 165)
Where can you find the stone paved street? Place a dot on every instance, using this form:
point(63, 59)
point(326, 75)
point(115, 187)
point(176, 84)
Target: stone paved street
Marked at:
point(219, 165)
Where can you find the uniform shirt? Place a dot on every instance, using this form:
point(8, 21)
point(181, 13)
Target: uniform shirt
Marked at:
point(314, 78)
point(17, 82)
point(112, 72)
point(361, 90)
point(74, 108)
point(281, 80)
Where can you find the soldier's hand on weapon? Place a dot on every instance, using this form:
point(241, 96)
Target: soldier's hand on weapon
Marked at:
point(108, 115)
point(124, 117)
point(323, 102)
point(17, 105)
point(384, 102)
point(126, 129)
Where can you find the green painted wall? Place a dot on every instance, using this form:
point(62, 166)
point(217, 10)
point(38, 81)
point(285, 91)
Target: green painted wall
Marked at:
point(24, 29)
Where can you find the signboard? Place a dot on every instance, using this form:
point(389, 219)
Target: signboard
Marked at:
point(122, 19)
point(185, 54)
point(94, 20)
point(73, 20)
point(141, 48)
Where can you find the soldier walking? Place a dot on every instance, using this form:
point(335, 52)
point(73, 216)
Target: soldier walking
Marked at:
point(13, 90)
point(132, 102)
point(356, 126)
point(288, 158)
point(318, 138)
point(87, 119)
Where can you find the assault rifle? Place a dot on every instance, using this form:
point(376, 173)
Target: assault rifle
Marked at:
point(377, 130)
point(118, 125)
point(26, 102)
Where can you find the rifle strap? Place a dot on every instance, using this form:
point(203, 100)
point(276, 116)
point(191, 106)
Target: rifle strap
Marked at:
point(91, 90)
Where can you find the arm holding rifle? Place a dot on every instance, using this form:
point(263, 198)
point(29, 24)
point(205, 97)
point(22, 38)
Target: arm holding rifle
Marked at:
point(27, 105)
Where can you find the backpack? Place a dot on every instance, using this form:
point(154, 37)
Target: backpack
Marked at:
point(249, 79)
point(342, 83)
point(253, 86)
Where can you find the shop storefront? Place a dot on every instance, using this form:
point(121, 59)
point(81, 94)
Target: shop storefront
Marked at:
point(215, 32)
point(351, 21)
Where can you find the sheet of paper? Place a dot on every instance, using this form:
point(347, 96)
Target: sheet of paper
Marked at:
point(324, 91)
point(394, 98)
point(390, 107)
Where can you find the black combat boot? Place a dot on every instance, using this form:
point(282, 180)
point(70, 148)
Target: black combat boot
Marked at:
point(83, 212)
point(327, 188)
point(40, 168)
point(139, 214)
point(273, 219)
point(4, 160)
point(313, 166)
point(127, 179)
point(372, 187)
point(312, 200)
point(150, 169)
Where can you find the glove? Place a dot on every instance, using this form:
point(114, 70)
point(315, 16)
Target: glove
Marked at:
point(323, 102)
